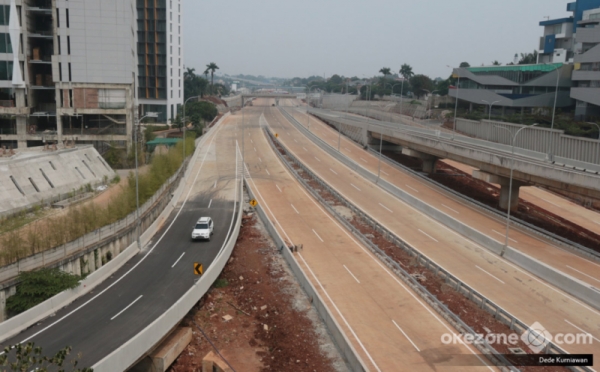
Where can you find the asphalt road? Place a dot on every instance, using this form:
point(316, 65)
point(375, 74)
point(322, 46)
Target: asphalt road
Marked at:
point(98, 323)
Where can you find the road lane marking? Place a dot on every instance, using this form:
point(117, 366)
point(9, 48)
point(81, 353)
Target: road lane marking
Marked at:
point(598, 222)
point(295, 209)
point(334, 172)
point(429, 236)
point(355, 187)
point(548, 201)
point(386, 208)
point(350, 272)
point(582, 273)
point(177, 260)
point(582, 330)
point(384, 172)
point(215, 185)
point(412, 188)
point(255, 149)
point(405, 335)
point(304, 148)
point(259, 159)
point(489, 274)
point(453, 210)
point(499, 233)
point(318, 236)
point(364, 160)
point(347, 149)
point(266, 170)
point(209, 203)
point(295, 140)
point(128, 306)
point(317, 159)
point(251, 140)
point(278, 188)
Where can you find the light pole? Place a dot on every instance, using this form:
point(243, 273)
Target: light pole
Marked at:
point(598, 154)
point(512, 167)
point(490, 112)
point(550, 154)
point(429, 104)
point(307, 107)
point(184, 125)
point(137, 187)
point(392, 94)
point(455, 104)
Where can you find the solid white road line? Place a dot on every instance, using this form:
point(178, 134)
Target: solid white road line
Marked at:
point(582, 273)
point(266, 170)
point(295, 209)
point(405, 335)
point(355, 187)
point(177, 260)
point(334, 172)
point(317, 159)
point(429, 236)
point(128, 306)
point(318, 236)
point(278, 188)
point(386, 208)
point(209, 203)
point(489, 274)
point(364, 160)
point(350, 272)
point(412, 188)
point(453, 210)
point(582, 330)
point(499, 233)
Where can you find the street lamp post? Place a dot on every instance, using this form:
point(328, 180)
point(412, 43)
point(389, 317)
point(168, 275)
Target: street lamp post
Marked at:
point(512, 167)
point(489, 113)
point(391, 96)
point(137, 187)
point(308, 106)
point(455, 105)
point(429, 104)
point(550, 152)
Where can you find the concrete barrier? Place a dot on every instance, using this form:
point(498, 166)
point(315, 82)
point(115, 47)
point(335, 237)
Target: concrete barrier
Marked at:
point(576, 288)
point(347, 351)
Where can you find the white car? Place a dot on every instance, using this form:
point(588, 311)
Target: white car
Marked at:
point(203, 229)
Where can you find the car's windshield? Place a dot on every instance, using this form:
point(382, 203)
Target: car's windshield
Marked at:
point(201, 226)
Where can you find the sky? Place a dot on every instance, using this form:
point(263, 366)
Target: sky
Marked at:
point(283, 38)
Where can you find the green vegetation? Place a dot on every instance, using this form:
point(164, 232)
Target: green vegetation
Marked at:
point(19, 220)
point(28, 357)
point(193, 85)
point(220, 283)
point(211, 68)
point(37, 286)
point(80, 220)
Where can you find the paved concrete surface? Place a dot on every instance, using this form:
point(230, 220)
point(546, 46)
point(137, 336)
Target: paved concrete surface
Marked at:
point(515, 290)
point(98, 323)
point(551, 202)
point(388, 324)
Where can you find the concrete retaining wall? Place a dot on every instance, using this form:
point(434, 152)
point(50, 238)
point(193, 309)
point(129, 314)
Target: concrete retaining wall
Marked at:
point(561, 280)
point(347, 351)
point(30, 178)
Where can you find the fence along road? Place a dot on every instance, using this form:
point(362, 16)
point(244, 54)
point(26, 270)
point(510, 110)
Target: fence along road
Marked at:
point(515, 290)
point(100, 322)
point(494, 227)
point(388, 324)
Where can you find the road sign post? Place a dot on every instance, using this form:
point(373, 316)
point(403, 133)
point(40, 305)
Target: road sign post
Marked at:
point(198, 268)
point(253, 202)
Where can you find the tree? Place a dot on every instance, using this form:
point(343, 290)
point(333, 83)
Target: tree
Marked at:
point(464, 65)
point(193, 85)
point(420, 83)
point(28, 357)
point(528, 58)
point(406, 71)
point(212, 67)
point(496, 63)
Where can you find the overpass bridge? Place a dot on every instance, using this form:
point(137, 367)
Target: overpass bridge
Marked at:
point(276, 96)
point(492, 160)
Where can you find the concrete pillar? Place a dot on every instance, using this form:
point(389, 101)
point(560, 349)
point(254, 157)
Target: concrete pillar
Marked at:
point(91, 262)
point(470, 107)
point(504, 183)
point(21, 120)
point(428, 160)
point(77, 267)
point(3, 315)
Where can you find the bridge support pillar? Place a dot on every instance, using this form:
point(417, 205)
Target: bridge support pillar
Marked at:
point(504, 183)
point(428, 160)
point(3, 315)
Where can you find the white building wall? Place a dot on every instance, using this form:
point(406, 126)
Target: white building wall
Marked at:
point(175, 57)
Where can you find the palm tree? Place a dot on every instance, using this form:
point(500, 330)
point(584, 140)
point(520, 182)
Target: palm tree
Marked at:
point(406, 71)
point(189, 74)
point(211, 67)
point(496, 63)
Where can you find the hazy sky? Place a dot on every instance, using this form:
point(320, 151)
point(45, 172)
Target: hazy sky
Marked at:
point(283, 38)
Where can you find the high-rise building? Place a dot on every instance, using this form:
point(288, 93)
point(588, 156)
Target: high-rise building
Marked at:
point(84, 70)
point(160, 57)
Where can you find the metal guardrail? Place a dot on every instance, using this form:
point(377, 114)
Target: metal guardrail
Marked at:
point(441, 308)
point(486, 304)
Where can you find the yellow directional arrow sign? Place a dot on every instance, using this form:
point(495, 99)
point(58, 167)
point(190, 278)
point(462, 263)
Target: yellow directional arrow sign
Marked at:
point(276, 135)
point(253, 202)
point(198, 268)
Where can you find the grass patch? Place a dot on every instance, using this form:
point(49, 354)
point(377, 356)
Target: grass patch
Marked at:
point(220, 283)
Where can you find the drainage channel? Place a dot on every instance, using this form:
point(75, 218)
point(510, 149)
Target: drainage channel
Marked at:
point(426, 278)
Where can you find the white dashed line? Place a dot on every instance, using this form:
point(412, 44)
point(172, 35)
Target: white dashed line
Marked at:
point(209, 203)
point(251, 141)
point(548, 201)
point(128, 306)
point(386, 208)
point(278, 188)
point(334, 172)
point(177, 260)
point(489, 274)
point(255, 149)
point(384, 172)
point(412, 188)
point(582, 273)
point(405, 335)
point(453, 210)
point(350, 272)
point(347, 149)
point(260, 160)
point(317, 159)
point(295, 140)
point(429, 236)
point(364, 160)
point(355, 187)
point(499, 233)
point(295, 209)
point(266, 170)
point(304, 148)
point(215, 185)
point(318, 236)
